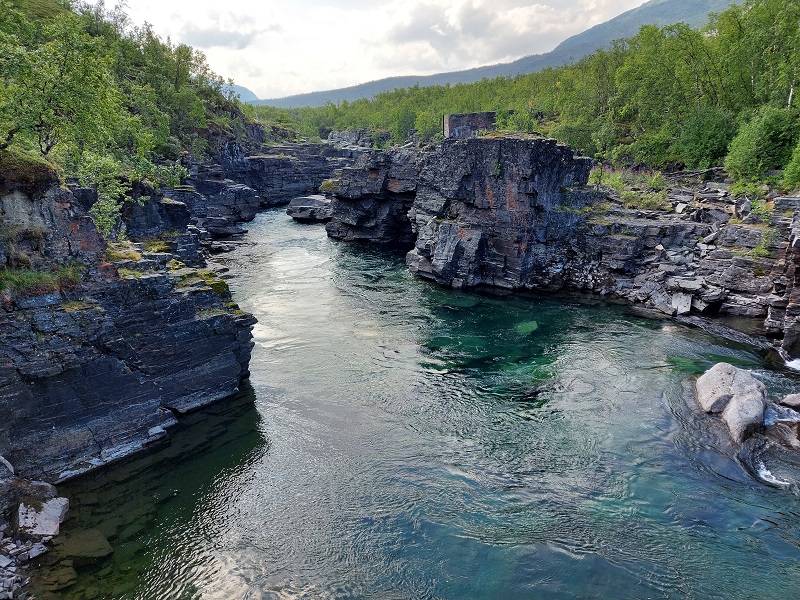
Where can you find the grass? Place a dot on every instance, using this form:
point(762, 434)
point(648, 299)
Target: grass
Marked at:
point(117, 251)
point(33, 173)
point(645, 200)
point(31, 281)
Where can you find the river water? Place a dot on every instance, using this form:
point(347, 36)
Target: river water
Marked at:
point(399, 440)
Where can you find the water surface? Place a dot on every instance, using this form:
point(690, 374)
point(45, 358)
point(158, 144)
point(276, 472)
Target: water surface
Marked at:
point(404, 441)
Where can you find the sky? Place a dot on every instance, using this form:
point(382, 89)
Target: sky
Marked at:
point(281, 47)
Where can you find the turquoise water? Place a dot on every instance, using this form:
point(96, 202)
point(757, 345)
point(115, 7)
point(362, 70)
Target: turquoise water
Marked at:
point(404, 441)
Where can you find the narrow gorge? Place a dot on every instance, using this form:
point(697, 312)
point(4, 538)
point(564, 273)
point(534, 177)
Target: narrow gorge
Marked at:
point(151, 330)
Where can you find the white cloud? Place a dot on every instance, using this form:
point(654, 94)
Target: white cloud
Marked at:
point(282, 47)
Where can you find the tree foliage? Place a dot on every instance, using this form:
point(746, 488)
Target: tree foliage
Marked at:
point(106, 102)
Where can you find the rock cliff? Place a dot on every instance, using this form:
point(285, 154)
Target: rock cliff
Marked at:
point(514, 212)
point(373, 196)
point(93, 367)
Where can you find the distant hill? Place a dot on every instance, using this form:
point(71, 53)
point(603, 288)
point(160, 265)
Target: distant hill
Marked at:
point(658, 12)
point(245, 95)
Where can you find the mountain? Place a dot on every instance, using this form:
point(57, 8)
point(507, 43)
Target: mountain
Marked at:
point(658, 12)
point(245, 95)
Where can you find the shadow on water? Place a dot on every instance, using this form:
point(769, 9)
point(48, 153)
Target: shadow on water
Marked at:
point(141, 505)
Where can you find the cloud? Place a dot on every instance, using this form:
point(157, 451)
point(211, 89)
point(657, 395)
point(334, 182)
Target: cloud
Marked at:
point(225, 31)
point(325, 44)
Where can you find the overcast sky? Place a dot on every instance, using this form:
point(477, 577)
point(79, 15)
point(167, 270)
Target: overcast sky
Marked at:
point(282, 47)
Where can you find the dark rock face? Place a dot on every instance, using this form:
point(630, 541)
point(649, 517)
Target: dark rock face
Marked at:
point(359, 139)
point(89, 380)
point(310, 209)
point(286, 171)
point(494, 212)
point(510, 211)
point(45, 230)
point(372, 198)
point(92, 373)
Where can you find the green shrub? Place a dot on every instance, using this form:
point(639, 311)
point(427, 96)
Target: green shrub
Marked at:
point(763, 143)
point(645, 200)
point(704, 138)
point(577, 135)
point(791, 174)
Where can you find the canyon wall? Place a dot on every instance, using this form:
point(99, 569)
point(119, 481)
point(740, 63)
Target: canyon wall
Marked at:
point(514, 212)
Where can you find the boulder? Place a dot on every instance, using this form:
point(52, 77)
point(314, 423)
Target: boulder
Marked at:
point(38, 520)
point(792, 401)
point(736, 395)
point(310, 209)
point(86, 547)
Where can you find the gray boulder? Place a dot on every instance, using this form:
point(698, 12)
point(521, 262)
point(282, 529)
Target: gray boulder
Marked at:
point(736, 395)
point(791, 401)
point(310, 209)
point(39, 520)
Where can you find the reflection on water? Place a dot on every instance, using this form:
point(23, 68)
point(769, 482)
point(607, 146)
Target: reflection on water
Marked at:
point(405, 441)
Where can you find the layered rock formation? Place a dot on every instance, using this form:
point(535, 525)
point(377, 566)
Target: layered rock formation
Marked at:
point(495, 211)
point(94, 369)
point(310, 209)
point(372, 198)
point(513, 211)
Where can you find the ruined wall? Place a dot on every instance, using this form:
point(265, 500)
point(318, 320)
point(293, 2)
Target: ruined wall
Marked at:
point(467, 125)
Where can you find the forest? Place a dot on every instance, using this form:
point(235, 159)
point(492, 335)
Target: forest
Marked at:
point(668, 98)
point(104, 101)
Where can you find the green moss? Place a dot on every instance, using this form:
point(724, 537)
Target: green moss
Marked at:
point(134, 274)
point(16, 234)
point(122, 251)
point(80, 305)
point(175, 264)
point(156, 246)
point(209, 278)
point(21, 169)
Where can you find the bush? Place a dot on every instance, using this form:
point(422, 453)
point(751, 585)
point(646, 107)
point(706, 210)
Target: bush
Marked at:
point(763, 143)
point(791, 175)
point(651, 149)
point(704, 138)
point(576, 135)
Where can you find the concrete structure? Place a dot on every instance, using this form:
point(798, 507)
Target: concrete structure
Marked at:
point(467, 125)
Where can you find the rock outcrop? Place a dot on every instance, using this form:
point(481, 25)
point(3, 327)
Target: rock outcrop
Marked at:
point(94, 369)
point(738, 397)
point(310, 209)
point(496, 211)
point(372, 198)
point(512, 211)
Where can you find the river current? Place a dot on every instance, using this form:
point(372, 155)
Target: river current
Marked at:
point(399, 440)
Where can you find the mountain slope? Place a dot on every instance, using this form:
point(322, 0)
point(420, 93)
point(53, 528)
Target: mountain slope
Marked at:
point(658, 12)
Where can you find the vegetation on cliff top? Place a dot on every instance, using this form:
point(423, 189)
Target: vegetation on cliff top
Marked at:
point(670, 96)
point(105, 101)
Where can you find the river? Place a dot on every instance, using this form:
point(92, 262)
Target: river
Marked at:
point(398, 440)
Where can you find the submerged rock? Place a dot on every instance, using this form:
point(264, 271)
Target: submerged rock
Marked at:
point(736, 395)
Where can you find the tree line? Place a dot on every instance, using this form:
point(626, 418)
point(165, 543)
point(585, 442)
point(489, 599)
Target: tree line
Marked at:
point(667, 97)
point(105, 101)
